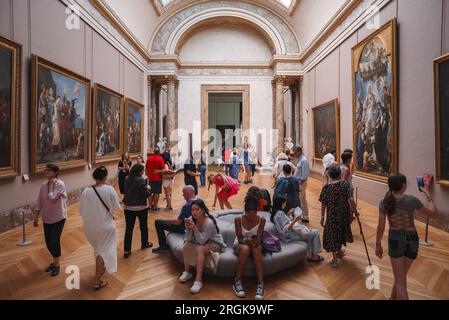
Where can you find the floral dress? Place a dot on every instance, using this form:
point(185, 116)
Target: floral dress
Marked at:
point(337, 229)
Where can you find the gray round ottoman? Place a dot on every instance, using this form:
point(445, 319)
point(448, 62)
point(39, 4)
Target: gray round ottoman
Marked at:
point(291, 254)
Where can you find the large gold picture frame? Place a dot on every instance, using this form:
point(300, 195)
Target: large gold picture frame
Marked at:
point(110, 127)
point(134, 148)
point(10, 106)
point(441, 85)
point(374, 91)
point(60, 116)
point(329, 109)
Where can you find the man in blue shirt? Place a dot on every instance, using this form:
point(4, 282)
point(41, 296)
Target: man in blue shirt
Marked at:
point(302, 173)
point(176, 226)
point(288, 186)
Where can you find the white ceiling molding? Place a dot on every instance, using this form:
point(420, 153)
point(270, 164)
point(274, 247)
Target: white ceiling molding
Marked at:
point(269, 29)
point(273, 24)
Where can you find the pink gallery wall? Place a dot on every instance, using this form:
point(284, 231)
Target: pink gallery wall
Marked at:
point(40, 27)
point(423, 35)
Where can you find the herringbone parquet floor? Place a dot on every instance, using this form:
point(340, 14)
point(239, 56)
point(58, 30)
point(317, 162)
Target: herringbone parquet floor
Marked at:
point(149, 276)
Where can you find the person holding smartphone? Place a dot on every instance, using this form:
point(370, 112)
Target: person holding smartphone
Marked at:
point(52, 204)
point(203, 245)
point(249, 230)
point(403, 241)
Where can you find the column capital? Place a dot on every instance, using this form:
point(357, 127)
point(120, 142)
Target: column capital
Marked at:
point(279, 79)
point(170, 79)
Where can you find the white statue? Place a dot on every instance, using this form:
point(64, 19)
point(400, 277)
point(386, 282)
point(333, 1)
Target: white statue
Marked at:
point(289, 144)
point(161, 144)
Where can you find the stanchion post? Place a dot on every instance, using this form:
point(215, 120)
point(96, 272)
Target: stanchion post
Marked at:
point(24, 240)
point(426, 242)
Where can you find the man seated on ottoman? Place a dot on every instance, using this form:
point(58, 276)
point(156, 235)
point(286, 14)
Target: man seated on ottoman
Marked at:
point(176, 226)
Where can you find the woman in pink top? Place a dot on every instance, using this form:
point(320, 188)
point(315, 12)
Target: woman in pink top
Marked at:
point(52, 204)
point(226, 187)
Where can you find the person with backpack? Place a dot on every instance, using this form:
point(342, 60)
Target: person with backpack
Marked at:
point(288, 186)
point(249, 229)
point(289, 228)
point(255, 192)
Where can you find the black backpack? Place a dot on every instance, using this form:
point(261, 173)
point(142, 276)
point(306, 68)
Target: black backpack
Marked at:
point(266, 196)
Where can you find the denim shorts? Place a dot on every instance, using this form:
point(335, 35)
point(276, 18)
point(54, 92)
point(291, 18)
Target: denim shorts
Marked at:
point(403, 243)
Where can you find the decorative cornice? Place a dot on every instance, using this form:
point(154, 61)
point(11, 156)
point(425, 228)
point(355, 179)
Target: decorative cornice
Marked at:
point(349, 19)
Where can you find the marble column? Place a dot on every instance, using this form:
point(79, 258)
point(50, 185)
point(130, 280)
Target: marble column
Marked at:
point(155, 89)
point(150, 114)
point(300, 111)
point(171, 106)
point(279, 82)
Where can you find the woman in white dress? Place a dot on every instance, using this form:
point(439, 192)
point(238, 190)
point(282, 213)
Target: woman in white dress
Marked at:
point(97, 206)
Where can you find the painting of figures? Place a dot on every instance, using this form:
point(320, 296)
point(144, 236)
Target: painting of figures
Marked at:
point(441, 72)
point(326, 129)
point(61, 110)
point(134, 127)
point(374, 104)
point(107, 136)
point(10, 70)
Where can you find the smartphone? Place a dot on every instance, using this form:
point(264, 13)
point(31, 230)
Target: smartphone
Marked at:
point(420, 182)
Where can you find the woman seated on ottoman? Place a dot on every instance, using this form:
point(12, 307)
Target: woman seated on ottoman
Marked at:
point(249, 229)
point(202, 246)
point(290, 228)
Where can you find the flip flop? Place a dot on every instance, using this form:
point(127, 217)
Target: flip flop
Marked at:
point(100, 284)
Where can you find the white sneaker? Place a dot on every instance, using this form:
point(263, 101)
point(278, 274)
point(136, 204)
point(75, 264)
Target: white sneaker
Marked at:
point(238, 288)
point(260, 292)
point(185, 276)
point(197, 286)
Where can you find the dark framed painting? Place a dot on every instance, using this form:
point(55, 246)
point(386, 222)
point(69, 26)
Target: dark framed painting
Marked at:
point(10, 85)
point(375, 104)
point(60, 113)
point(134, 124)
point(107, 136)
point(441, 74)
point(326, 129)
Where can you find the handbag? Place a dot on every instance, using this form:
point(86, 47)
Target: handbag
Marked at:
point(101, 200)
point(270, 243)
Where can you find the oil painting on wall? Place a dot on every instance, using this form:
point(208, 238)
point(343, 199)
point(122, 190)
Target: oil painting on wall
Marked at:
point(374, 104)
point(441, 72)
point(10, 70)
point(107, 137)
point(60, 116)
point(134, 127)
point(326, 129)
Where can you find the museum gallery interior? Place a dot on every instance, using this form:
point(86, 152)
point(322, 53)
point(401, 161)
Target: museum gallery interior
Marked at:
point(84, 81)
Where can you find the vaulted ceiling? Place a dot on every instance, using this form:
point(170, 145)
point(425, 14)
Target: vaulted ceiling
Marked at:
point(142, 18)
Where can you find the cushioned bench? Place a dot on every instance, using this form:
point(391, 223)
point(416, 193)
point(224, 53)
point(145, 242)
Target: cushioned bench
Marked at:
point(291, 254)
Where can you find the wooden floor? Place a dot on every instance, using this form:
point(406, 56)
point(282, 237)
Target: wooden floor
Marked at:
point(149, 276)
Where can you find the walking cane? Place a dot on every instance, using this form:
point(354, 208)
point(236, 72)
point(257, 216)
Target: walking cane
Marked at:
point(361, 230)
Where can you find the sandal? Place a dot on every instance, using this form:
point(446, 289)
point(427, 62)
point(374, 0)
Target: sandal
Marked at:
point(334, 263)
point(100, 284)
